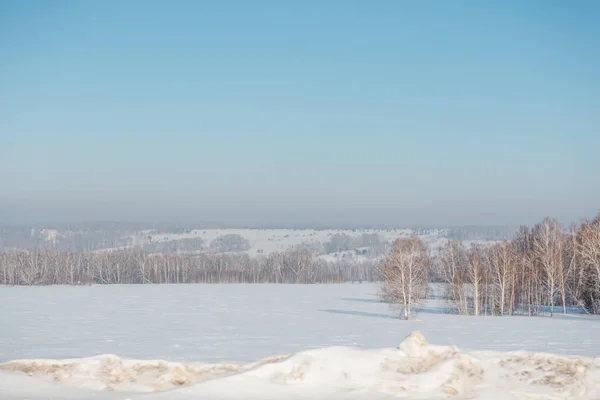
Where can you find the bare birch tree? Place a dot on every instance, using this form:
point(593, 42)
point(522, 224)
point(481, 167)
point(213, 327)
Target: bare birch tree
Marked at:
point(588, 249)
point(546, 247)
point(475, 260)
point(452, 259)
point(502, 268)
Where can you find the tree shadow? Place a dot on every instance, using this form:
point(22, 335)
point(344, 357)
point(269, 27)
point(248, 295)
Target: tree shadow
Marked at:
point(360, 313)
point(448, 310)
point(360, 300)
point(422, 309)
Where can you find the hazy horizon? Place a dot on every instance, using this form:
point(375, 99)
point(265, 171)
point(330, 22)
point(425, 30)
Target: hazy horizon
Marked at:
point(266, 223)
point(403, 114)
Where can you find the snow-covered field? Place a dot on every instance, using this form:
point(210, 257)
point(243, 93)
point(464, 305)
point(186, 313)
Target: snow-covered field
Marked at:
point(342, 341)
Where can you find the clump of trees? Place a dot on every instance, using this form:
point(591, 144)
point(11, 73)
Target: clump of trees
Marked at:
point(543, 268)
point(229, 243)
point(405, 274)
point(340, 242)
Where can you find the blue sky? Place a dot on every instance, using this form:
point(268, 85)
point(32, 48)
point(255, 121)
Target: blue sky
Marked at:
point(414, 113)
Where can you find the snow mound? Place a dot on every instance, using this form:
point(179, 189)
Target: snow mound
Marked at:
point(416, 370)
point(112, 373)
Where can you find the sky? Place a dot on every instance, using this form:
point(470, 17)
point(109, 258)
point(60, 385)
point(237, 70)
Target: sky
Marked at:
point(388, 112)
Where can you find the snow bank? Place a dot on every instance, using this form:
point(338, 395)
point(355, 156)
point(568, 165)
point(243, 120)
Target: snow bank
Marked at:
point(416, 370)
point(112, 373)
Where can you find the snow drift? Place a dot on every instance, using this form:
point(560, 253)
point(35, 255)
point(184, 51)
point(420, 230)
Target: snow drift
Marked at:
point(415, 370)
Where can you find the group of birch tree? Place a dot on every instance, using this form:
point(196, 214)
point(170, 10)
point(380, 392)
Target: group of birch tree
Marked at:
point(134, 266)
point(542, 269)
point(404, 274)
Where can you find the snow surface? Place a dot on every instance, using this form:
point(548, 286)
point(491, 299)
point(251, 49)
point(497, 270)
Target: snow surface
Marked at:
point(246, 331)
point(415, 370)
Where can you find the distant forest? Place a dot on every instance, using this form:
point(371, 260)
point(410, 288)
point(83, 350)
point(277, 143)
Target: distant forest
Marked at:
point(86, 237)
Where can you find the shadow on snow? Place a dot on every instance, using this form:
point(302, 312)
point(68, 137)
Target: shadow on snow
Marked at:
point(360, 314)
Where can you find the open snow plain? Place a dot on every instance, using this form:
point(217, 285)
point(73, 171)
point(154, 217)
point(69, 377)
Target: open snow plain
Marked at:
point(279, 342)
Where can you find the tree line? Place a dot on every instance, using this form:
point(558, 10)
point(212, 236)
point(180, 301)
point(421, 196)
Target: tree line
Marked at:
point(135, 266)
point(543, 268)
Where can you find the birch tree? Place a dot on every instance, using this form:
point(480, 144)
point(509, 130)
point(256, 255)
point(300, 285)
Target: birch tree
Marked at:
point(502, 269)
point(404, 274)
point(453, 262)
point(588, 250)
point(547, 250)
point(475, 260)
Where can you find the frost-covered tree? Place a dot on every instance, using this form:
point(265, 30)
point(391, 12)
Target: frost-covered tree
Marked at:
point(588, 251)
point(453, 271)
point(475, 276)
point(547, 239)
point(405, 274)
point(502, 270)
point(339, 242)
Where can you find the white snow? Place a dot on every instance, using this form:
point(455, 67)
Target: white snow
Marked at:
point(342, 343)
point(415, 370)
